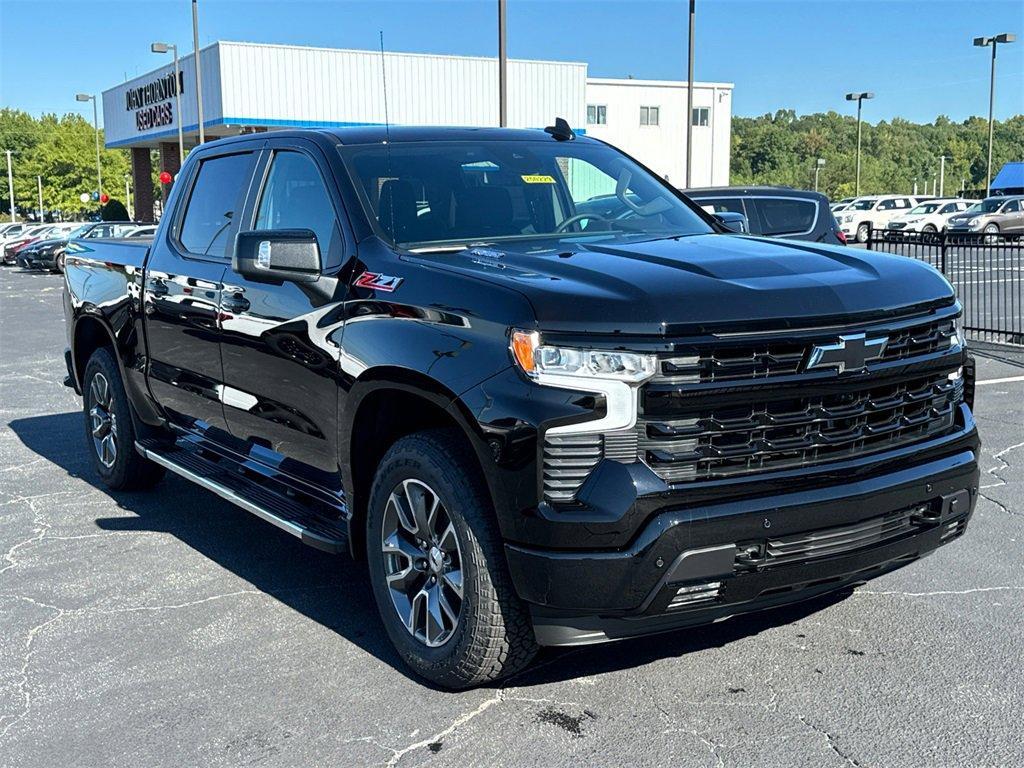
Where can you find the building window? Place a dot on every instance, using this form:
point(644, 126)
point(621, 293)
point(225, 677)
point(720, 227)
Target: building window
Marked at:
point(597, 114)
point(701, 116)
point(649, 115)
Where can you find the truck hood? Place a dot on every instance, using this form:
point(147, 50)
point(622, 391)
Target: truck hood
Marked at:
point(700, 283)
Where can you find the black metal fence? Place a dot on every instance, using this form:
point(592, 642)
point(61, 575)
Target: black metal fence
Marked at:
point(986, 270)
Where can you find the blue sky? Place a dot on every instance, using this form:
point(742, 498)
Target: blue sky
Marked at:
point(916, 55)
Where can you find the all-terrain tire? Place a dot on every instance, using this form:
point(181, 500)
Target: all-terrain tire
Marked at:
point(102, 389)
point(494, 636)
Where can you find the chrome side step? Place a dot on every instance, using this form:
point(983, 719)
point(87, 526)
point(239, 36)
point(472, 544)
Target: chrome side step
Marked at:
point(277, 509)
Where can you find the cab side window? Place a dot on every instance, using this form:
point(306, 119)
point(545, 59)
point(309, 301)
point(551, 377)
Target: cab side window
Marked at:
point(211, 216)
point(295, 197)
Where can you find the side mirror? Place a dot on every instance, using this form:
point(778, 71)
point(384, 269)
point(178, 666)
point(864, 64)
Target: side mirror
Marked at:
point(733, 221)
point(277, 255)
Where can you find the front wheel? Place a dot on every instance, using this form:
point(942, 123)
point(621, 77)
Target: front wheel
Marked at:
point(109, 430)
point(862, 233)
point(58, 263)
point(437, 565)
point(929, 229)
point(991, 234)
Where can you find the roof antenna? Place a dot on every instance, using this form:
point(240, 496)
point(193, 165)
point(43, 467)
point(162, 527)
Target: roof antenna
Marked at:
point(560, 130)
point(387, 141)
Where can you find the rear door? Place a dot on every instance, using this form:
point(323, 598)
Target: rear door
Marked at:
point(280, 340)
point(183, 289)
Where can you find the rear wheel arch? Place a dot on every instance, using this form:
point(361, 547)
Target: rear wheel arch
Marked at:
point(90, 334)
point(381, 411)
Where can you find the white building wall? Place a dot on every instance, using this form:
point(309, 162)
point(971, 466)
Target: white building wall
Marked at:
point(663, 147)
point(275, 84)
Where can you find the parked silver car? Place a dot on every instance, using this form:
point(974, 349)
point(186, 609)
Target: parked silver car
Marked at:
point(992, 216)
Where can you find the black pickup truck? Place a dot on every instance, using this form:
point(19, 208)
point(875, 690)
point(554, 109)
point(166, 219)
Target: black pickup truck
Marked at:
point(537, 426)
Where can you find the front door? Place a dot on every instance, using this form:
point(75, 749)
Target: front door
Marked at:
point(279, 340)
point(183, 292)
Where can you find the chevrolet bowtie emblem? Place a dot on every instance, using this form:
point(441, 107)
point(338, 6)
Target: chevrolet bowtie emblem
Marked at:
point(850, 353)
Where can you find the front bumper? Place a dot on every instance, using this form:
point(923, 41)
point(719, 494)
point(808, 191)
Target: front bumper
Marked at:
point(37, 260)
point(691, 565)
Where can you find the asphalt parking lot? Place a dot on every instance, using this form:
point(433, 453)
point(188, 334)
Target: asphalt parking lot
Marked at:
point(173, 629)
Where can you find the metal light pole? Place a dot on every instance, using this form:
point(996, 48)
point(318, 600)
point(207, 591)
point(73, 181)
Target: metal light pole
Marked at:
point(96, 125)
point(502, 66)
point(164, 48)
point(942, 174)
point(10, 184)
point(817, 167)
point(689, 99)
point(982, 42)
point(859, 98)
point(199, 72)
point(128, 197)
point(39, 186)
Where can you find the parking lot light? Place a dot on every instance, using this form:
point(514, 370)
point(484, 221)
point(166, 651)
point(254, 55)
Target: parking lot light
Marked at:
point(164, 48)
point(817, 168)
point(96, 126)
point(982, 42)
point(859, 98)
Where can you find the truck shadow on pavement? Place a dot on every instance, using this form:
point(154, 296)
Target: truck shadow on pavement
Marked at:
point(332, 590)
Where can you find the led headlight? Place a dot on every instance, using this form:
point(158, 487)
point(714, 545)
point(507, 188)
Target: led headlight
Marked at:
point(538, 359)
point(959, 338)
point(611, 373)
point(974, 224)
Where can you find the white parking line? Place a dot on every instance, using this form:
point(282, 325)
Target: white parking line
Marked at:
point(998, 381)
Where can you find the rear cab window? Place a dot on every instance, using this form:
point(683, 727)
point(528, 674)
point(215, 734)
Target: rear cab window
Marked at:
point(783, 215)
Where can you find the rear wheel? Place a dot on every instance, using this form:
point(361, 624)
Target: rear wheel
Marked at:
point(437, 566)
point(109, 430)
point(862, 233)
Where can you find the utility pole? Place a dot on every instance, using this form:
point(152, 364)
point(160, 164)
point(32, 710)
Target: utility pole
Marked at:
point(39, 183)
point(164, 48)
point(859, 98)
point(96, 126)
point(502, 66)
point(982, 42)
point(689, 100)
point(942, 174)
point(10, 184)
point(199, 71)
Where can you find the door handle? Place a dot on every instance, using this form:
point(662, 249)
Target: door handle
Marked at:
point(236, 305)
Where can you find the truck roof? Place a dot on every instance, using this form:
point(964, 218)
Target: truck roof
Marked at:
point(399, 134)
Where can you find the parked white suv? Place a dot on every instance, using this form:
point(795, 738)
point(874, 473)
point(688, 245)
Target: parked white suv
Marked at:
point(872, 211)
point(930, 216)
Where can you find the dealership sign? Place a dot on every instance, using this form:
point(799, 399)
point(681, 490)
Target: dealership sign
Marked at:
point(152, 101)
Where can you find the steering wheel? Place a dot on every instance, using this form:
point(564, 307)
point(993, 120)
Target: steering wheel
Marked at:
point(580, 217)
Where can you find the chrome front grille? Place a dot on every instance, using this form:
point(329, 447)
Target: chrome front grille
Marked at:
point(713, 441)
point(747, 361)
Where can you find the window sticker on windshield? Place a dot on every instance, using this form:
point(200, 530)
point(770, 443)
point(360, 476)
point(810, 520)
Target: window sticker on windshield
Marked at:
point(537, 178)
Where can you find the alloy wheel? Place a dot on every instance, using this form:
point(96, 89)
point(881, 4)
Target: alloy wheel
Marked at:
point(422, 562)
point(103, 420)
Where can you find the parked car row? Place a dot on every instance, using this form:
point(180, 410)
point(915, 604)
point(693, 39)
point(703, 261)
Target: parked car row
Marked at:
point(42, 246)
point(908, 213)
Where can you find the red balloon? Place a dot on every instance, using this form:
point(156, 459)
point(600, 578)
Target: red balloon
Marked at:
point(104, 198)
point(165, 177)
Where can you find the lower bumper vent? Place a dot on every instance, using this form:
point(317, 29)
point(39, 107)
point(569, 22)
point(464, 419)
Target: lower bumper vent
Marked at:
point(694, 594)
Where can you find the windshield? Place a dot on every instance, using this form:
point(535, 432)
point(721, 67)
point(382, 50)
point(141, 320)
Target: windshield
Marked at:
point(987, 206)
point(427, 195)
point(862, 205)
point(79, 231)
point(925, 208)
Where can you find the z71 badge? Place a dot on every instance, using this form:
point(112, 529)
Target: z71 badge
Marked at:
point(378, 282)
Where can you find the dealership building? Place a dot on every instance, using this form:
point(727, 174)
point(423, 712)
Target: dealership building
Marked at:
point(256, 87)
